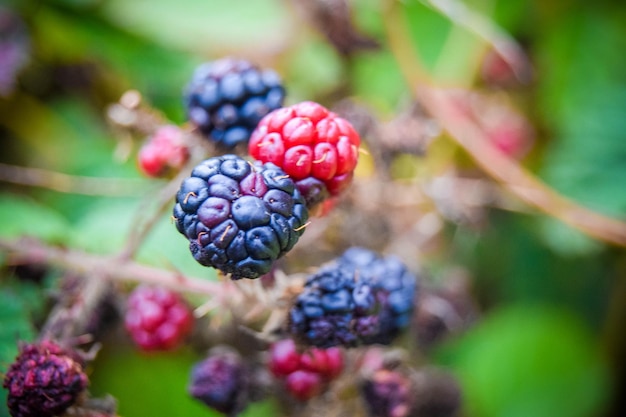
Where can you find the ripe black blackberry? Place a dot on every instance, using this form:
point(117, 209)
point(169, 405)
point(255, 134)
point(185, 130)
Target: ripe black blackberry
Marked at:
point(221, 381)
point(334, 309)
point(395, 287)
point(239, 217)
point(228, 97)
point(359, 298)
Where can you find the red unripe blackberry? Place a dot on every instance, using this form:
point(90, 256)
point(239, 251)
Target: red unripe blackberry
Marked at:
point(308, 142)
point(44, 380)
point(326, 362)
point(157, 318)
point(163, 151)
point(284, 357)
point(304, 374)
point(303, 384)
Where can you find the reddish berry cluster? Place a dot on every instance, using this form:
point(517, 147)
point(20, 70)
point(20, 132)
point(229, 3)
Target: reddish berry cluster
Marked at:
point(308, 141)
point(163, 151)
point(157, 318)
point(44, 380)
point(304, 374)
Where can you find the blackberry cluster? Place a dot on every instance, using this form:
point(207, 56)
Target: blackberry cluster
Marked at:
point(395, 287)
point(239, 217)
point(228, 97)
point(44, 381)
point(359, 298)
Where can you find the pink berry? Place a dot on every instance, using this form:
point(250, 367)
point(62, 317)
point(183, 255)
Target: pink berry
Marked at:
point(164, 151)
point(308, 141)
point(303, 385)
point(157, 318)
point(284, 358)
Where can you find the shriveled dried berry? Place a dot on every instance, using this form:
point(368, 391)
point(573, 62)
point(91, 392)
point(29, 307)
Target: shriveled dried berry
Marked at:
point(44, 380)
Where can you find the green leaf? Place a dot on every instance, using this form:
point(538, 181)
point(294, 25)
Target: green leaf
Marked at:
point(203, 26)
point(313, 70)
point(146, 384)
point(583, 93)
point(531, 361)
point(20, 216)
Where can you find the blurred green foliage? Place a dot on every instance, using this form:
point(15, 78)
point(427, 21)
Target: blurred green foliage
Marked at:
point(541, 357)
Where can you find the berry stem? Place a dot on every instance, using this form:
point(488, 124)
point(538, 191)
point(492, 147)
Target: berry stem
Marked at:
point(25, 251)
point(74, 184)
point(465, 132)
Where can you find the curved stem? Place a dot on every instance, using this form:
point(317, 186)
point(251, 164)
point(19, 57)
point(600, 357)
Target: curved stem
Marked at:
point(464, 131)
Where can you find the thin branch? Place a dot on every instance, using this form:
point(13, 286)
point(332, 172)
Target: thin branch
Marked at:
point(31, 251)
point(513, 176)
point(73, 184)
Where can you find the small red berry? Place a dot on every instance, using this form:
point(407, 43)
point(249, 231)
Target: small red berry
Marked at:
point(284, 358)
point(326, 362)
point(165, 150)
point(308, 141)
point(44, 380)
point(303, 385)
point(157, 318)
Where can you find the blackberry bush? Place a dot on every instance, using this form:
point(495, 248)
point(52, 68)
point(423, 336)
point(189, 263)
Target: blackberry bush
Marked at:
point(239, 217)
point(227, 98)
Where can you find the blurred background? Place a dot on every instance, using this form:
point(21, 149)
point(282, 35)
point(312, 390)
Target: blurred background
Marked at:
point(546, 82)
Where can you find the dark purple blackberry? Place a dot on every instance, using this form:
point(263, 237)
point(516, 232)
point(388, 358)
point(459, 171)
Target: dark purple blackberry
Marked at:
point(334, 308)
point(388, 394)
point(239, 217)
point(221, 382)
point(228, 97)
point(44, 381)
point(395, 287)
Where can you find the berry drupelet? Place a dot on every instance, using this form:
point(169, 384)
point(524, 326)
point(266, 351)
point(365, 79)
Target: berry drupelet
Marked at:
point(239, 217)
point(44, 381)
point(227, 98)
point(157, 318)
point(313, 145)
